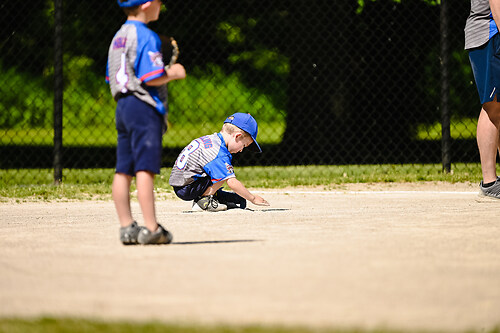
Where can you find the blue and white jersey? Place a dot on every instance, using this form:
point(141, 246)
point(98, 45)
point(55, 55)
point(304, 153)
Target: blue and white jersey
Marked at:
point(480, 26)
point(205, 156)
point(135, 57)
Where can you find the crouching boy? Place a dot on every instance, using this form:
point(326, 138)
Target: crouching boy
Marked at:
point(204, 166)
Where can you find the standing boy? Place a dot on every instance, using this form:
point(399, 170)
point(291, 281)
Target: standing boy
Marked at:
point(483, 42)
point(205, 165)
point(137, 77)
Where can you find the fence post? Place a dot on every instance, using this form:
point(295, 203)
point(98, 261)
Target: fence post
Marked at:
point(445, 85)
point(58, 91)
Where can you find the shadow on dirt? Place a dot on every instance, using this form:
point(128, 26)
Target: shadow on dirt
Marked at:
point(217, 242)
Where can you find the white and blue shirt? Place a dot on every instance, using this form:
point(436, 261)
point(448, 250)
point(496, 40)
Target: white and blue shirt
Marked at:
point(205, 156)
point(135, 57)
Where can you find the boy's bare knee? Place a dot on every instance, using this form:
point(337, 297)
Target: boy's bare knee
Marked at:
point(214, 188)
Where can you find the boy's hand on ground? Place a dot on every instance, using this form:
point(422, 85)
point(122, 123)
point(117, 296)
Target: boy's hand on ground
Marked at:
point(259, 201)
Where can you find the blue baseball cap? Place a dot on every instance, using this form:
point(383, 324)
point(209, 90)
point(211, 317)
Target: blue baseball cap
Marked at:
point(247, 123)
point(131, 3)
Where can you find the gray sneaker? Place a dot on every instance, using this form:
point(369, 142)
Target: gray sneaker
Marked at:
point(208, 203)
point(128, 235)
point(160, 236)
point(492, 191)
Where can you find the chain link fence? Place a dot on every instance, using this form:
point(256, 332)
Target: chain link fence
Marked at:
point(329, 82)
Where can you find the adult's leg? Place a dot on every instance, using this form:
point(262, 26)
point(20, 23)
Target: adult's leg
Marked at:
point(488, 126)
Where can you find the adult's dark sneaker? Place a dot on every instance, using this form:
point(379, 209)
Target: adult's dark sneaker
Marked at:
point(492, 191)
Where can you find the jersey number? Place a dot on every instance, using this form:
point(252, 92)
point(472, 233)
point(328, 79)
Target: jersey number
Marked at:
point(121, 75)
point(183, 158)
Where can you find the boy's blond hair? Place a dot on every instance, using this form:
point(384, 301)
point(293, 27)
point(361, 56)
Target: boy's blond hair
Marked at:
point(130, 10)
point(230, 129)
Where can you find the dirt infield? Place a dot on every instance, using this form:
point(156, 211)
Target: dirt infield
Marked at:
point(409, 256)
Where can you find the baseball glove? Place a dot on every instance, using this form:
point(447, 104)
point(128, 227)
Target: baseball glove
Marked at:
point(170, 48)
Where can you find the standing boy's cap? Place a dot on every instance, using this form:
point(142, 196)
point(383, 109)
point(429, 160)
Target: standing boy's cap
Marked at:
point(131, 3)
point(247, 123)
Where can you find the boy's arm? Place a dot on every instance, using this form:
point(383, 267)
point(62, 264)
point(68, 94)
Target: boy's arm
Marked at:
point(174, 72)
point(242, 191)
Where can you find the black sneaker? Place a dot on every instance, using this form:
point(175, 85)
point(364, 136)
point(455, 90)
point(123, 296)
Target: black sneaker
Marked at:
point(492, 191)
point(160, 236)
point(128, 235)
point(231, 199)
point(208, 203)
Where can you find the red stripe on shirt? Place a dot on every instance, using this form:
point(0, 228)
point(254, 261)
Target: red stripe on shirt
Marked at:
point(153, 73)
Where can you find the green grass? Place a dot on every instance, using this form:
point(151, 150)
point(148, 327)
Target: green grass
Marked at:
point(460, 128)
point(89, 184)
point(53, 325)
point(178, 135)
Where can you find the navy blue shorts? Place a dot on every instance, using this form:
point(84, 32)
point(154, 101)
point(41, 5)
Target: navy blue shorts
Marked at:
point(485, 62)
point(194, 190)
point(139, 128)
